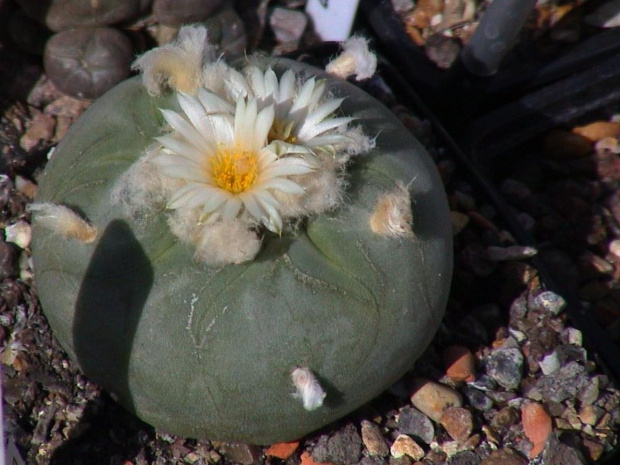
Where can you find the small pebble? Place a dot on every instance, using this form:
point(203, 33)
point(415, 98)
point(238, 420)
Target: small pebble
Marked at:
point(614, 248)
point(504, 457)
point(564, 383)
point(594, 450)
point(344, 447)
point(306, 459)
point(414, 423)
point(550, 363)
point(557, 453)
point(537, 426)
point(466, 457)
point(478, 399)
point(40, 131)
point(9, 266)
point(19, 233)
point(433, 398)
point(590, 414)
point(282, 450)
point(245, 454)
point(459, 363)
point(459, 222)
point(574, 336)
point(550, 301)
point(373, 440)
point(590, 392)
point(458, 422)
point(515, 252)
point(504, 418)
point(608, 143)
point(598, 130)
point(25, 186)
point(405, 445)
point(505, 366)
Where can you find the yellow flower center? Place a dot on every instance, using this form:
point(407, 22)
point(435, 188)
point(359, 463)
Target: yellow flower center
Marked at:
point(234, 170)
point(281, 131)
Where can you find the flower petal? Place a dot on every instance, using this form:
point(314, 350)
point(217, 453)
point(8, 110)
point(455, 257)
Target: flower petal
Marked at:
point(181, 148)
point(262, 125)
point(284, 185)
point(185, 172)
point(322, 112)
point(273, 221)
point(232, 207)
point(213, 103)
point(313, 131)
point(287, 86)
point(303, 95)
point(180, 125)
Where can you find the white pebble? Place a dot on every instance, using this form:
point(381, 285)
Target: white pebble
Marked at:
point(515, 252)
point(19, 233)
point(575, 336)
point(550, 363)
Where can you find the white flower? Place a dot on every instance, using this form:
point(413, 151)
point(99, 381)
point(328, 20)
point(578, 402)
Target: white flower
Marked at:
point(303, 117)
point(224, 162)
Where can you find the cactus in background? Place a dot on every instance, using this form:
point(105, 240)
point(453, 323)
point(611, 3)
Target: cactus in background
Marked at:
point(232, 253)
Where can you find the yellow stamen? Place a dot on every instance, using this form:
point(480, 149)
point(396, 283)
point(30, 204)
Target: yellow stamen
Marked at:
point(234, 170)
point(280, 131)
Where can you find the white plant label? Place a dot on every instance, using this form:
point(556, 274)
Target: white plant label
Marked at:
point(332, 19)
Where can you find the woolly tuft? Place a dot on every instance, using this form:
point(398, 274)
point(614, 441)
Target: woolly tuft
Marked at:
point(308, 388)
point(178, 66)
point(355, 60)
point(392, 216)
point(63, 221)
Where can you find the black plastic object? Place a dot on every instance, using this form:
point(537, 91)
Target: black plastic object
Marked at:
point(521, 100)
point(495, 35)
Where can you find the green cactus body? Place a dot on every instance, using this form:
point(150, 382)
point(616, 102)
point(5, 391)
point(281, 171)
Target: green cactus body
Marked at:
point(208, 352)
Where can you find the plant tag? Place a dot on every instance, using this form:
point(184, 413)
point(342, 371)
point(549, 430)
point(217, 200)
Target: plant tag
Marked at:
point(332, 19)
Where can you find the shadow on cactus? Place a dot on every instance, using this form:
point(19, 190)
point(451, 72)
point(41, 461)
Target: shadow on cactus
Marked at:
point(242, 253)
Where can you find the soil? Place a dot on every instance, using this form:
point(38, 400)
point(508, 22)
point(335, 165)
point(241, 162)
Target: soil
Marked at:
point(522, 348)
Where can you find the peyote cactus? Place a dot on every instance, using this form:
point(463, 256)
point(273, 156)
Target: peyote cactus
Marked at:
point(241, 254)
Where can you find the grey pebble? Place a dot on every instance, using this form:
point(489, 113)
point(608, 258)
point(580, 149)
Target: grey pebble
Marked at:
point(564, 383)
point(557, 453)
point(245, 454)
point(550, 301)
point(506, 367)
point(344, 446)
point(478, 399)
point(466, 457)
point(590, 392)
point(9, 266)
point(414, 423)
point(372, 461)
point(484, 383)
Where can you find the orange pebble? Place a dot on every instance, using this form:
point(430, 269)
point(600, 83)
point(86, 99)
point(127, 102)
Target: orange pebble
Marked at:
point(282, 450)
point(306, 459)
point(598, 130)
point(459, 362)
point(536, 425)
